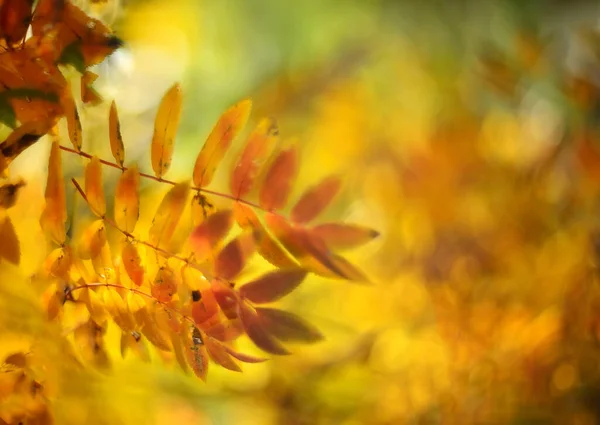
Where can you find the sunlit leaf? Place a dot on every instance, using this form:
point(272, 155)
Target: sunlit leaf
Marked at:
point(165, 284)
point(258, 333)
point(127, 204)
point(258, 147)
point(73, 122)
point(315, 200)
point(132, 263)
point(343, 236)
point(272, 286)
point(114, 132)
point(280, 177)
point(92, 240)
point(15, 17)
point(94, 190)
point(220, 356)
point(244, 357)
point(165, 130)
point(209, 233)
point(54, 215)
point(218, 142)
point(88, 94)
point(117, 309)
point(287, 326)
point(233, 257)
point(179, 351)
point(197, 355)
point(168, 214)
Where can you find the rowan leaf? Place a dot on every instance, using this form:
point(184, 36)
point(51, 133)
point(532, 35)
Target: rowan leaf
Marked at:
point(10, 248)
point(117, 309)
point(73, 122)
point(95, 306)
point(233, 257)
point(92, 240)
point(94, 190)
point(132, 262)
point(246, 358)
point(165, 284)
point(178, 350)
point(343, 236)
point(15, 17)
point(315, 200)
point(127, 204)
point(279, 179)
point(138, 308)
point(258, 147)
point(257, 332)
point(88, 94)
point(272, 286)
point(114, 131)
point(168, 214)
point(54, 214)
point(165, 130)
point(220, 356)
point(204, 305)
point(209, 233)
point(152, 331)
point(287, 326)
point(197, 355)
point(218, 142)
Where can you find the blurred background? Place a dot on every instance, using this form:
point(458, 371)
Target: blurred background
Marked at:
point(467, 132)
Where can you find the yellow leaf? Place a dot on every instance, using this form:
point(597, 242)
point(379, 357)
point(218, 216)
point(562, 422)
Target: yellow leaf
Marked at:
point(127, 204)
point(93, 187)
point(73, 122)
point(165, 129)
point(118, 310)
point(54, 214)
point(168, 214)
point(116, 141)
point(133, 263)
point(219, 140)
point(93, 240)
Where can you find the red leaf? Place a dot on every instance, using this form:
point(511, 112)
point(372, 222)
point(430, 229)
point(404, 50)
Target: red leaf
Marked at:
point(343, 236)
point(287, 326)
point(272, 286)
point(232, 258)
point(210, 232)
point(279, 180)
point(226, 298)
point(316, 199)
point(244, 357)
point(257, 333)
point(220, 356)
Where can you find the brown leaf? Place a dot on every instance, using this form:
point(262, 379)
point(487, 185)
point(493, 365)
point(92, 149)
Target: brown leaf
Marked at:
point(114, 131)
point(133, 263)
point(277, 186)
point(88, 94)
point(287, 326)
point(343, 236)
point(10, 248)
point(233, 257)
point(220, 356)
point(168, 214)
point(54, 214)
point(272, 286)
point(244, 357)
point(20, 139)
point(8, 194)
point(315, 200)
point(209, 233)
point(73, 121)
point(127, 203)
point(15, 17)
point(259, 146)
point(94, 190)
point(219, 140)
point(165, 130)
point(257, 332)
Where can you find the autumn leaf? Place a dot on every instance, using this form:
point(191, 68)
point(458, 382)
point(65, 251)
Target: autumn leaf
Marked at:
point(258, 333)
point(168, 214)
point(315, 200)
point(15, 17)
point(342, 235)
point(165, 284)
point(244, 357)
point(92, 240)
point(127, 204)
point(279, 179)
point(208, 234)
point(117, 309)
point(88, 94)
point(20, 139)
point(54, 214)
point(272, 286)
point(218, 142)
point(258, 147)
point(10, 247)
point(114, 131)
point(233, 257)
point(73, 122)
point(287, 326)
point(94, 190)
point(197, 355)
point(8, 194)
point(132, 263)
point(220, 356)
point(165, 129)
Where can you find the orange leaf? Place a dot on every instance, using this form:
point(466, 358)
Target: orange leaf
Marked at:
point(226, 298)
point(88, 94)
point(9, 247)
point(127, 204)
point(272, 286)
point(93, 240)
point(54, 214)
point(133, 263)
point(316, 199)
point(257, 332)
point(287, 326)
point(279, 180)
point(244, 357)
point(165, 130)
point(116, 141)
point(259, 146)
point(343, 236)
point(209, 233)
point(93, 187)
point(165, 284)
point(220, 356)
point(196, 355)
point(58, 263)
point(168, 214)
point(73, 121)
point(15, 17)
point(233, 257)
point(219, 140)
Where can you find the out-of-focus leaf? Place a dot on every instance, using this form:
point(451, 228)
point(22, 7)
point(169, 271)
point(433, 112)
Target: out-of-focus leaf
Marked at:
point(132, 263)
point(92, 240)
point(88, 94)
point(168, 214)
point(54, 215)
point(316, 199)
point(8, 194)
point(197, 355)
point(218, 142)
point(257, 332)
point(73, 122)
point(165, 130)
point(233, 257)
point(117, 308)
point(343, 236)
point(287, 326)
point(114, 131)
point(280, 178)
point(165, 284)
point(272, 286)
point(220, 356)
point(10, 248)
point(94, 190)
point(127, 203)
point(209, 233)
